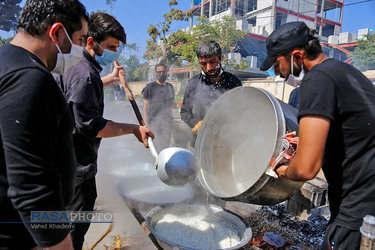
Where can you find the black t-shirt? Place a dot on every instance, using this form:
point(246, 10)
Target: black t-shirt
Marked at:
point(200, 94)
point(161, 101)
point(294, 98)
point(339, 92)
point(37, 163)
point(83, 89)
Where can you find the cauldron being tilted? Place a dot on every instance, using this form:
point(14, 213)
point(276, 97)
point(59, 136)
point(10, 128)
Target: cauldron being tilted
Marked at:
point(239, 140)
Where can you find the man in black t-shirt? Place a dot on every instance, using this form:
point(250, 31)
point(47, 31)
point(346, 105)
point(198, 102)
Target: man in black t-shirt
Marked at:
point(204, 89)
point(158, 101)
point(37, 163)
point(336, 133)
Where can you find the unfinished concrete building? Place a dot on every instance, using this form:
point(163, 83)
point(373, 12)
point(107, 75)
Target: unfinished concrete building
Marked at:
point(260, 17)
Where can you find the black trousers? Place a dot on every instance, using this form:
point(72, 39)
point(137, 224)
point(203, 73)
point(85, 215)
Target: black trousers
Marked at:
point(84, 199)
point(341, 238)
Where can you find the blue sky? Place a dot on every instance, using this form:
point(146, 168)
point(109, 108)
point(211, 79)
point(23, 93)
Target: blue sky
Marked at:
point(137, 15)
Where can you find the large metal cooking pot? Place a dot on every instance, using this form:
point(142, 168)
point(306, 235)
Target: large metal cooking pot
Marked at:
point(208, 214)
point(239, 140)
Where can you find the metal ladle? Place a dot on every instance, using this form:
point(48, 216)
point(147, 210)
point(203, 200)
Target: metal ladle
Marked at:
point(174, 166)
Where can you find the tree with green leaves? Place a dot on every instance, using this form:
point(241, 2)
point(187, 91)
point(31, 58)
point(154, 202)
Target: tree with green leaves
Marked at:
point(9, 12)
point(364, 54)
point(5, 40)
point(155, 51)
point(181, 46)
point(135, 70)
point(110, 3)
point(141, 72)
point(223, 31)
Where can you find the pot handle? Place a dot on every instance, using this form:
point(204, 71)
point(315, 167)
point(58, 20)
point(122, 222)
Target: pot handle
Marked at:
point(153, 150)
point(289, 142)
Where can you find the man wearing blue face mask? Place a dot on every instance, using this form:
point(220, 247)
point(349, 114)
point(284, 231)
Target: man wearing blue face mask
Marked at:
point(83, 90)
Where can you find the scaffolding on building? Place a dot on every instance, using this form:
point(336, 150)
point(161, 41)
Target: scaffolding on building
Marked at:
point(260, 17)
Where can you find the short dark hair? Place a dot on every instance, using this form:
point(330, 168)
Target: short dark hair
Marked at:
point(209, 48)
point(312, 47)
point(102, 25)
point(37, 15)
point(160, 65)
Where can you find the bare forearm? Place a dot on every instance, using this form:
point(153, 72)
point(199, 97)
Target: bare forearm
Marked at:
point(108, 80)
point(293, 171)
point(113, 129)
point(309, 155)
point(112, 77)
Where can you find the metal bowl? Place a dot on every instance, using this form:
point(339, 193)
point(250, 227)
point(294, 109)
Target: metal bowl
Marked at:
point(208, 213)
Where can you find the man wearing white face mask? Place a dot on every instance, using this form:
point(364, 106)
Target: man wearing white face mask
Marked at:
point(37, 162)
point(76, 51)
point(295, 78)
point(295, 81)
point(67, 60)
point(336, 132)
point(83, 90)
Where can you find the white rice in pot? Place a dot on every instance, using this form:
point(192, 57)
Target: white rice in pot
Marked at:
point(197, 231)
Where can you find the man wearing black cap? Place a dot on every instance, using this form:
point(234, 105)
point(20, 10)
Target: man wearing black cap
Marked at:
point(337, 129)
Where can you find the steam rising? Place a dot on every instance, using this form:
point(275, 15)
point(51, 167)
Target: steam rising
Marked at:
point(124, 157)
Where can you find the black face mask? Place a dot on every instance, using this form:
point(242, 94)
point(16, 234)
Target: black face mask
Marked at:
point(161, 77)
